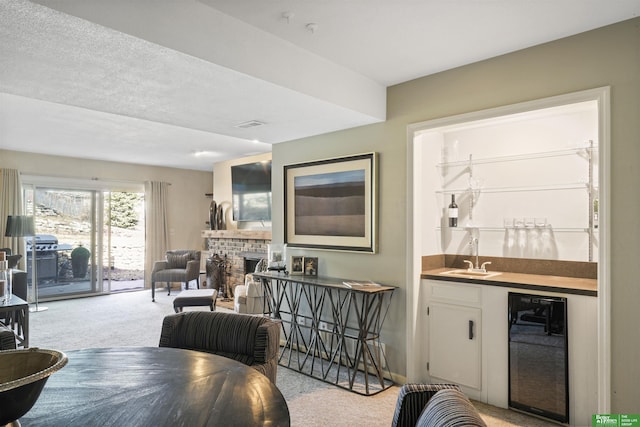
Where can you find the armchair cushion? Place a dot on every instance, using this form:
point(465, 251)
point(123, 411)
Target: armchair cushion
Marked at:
point(177, 260)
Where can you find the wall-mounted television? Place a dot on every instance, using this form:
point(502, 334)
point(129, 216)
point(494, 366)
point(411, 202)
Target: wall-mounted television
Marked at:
point(251, 190)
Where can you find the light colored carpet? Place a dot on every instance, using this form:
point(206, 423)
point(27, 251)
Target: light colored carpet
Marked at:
point(131, 319)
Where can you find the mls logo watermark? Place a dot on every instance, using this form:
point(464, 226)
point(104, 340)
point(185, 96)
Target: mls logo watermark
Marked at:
point(604, 420)
point(621, 420)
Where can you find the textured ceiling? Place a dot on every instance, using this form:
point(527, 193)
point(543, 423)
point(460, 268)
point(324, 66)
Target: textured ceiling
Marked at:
point(156, 83)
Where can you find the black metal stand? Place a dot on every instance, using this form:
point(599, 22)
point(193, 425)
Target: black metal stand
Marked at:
point(224, 274)
point(220, 273)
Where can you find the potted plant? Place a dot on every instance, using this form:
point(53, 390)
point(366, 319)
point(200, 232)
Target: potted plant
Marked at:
point(80, 261)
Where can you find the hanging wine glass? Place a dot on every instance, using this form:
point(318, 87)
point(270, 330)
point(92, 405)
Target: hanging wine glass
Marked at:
point(475, 185)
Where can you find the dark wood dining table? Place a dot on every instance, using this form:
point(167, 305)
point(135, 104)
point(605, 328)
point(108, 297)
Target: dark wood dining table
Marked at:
point(153, 386)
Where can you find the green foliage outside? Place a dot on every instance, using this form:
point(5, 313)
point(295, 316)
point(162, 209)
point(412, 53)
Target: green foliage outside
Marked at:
point(124, 209)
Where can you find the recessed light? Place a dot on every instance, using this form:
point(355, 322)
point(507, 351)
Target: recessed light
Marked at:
point(203, 153)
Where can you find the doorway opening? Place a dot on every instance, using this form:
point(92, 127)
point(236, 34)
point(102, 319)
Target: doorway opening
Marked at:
point(590, 231)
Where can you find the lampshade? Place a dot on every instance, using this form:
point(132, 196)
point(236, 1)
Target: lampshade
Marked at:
point(19, 226)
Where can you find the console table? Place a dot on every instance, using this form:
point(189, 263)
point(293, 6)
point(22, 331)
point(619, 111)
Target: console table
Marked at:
point(331, 328)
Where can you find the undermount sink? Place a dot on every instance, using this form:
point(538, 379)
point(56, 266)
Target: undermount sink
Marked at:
point(471, 274)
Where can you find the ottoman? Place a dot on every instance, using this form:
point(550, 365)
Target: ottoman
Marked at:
point(195, 298)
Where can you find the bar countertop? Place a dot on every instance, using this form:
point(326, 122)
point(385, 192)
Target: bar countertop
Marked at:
point(537, 282)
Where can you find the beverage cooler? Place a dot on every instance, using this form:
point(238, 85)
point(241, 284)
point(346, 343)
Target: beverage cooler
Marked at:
point(538, 359)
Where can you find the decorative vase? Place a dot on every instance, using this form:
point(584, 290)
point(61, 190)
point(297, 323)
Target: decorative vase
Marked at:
point(220, 218)
point(213, 215)
point(22, 381)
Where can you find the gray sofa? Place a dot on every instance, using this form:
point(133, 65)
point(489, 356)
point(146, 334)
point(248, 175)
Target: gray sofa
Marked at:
point(252, 340)
point(434, 405)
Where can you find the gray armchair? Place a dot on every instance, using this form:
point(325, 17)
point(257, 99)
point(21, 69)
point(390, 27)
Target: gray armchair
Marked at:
point(249, 298)
point(252, 340)
point(180, 266)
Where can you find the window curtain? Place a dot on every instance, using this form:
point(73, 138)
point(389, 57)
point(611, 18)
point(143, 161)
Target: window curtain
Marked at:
point(156, 226)
point(11, 204)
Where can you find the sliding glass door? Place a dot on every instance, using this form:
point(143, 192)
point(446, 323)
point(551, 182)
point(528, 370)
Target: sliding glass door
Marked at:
point(88, 241)
point(123, 241)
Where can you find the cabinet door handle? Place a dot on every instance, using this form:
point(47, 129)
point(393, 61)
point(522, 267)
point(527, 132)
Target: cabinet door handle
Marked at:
point(470, 329)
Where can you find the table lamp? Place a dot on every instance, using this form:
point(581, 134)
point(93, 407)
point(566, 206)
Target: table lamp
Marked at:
point(22, 226)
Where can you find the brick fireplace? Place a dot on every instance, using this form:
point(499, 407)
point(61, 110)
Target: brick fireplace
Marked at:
point(243, 249)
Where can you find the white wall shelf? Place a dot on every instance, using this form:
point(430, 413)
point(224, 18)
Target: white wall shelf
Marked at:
point(513, 180)
point(569, 186)
point(517, 157)
point(502, 229)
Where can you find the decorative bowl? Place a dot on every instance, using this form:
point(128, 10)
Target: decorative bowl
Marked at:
point(23, 374)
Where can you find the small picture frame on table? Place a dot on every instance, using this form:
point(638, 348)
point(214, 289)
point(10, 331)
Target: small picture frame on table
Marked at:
point(310, 266)
point(297, 265)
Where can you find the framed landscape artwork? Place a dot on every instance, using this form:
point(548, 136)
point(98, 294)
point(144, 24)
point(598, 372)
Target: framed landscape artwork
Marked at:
point(331, 204)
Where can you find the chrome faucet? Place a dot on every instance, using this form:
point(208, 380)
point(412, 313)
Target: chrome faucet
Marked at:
point(475, 249)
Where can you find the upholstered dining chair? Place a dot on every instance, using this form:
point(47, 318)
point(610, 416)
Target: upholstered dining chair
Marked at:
point(12, 260)
point(182, 265)
point(19, 284)
point(252, 340)
point(14, 320)
point(7, 338)
point(412, 399)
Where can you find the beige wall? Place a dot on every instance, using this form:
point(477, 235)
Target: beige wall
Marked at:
point(188, 206)
point(609, 56)
point(388, 263)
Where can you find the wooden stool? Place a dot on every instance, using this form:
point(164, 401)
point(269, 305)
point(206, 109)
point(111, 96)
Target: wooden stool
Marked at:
point(195, 298)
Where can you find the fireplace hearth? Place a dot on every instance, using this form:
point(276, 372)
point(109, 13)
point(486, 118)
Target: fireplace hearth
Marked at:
point(251, 260)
